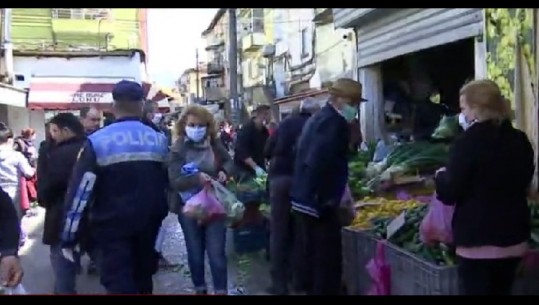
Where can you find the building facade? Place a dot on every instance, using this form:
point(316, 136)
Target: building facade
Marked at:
point(190, 88)
point(215, 81)
point(79, 28)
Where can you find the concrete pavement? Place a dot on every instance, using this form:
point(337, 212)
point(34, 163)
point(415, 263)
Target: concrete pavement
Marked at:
point(249, 272)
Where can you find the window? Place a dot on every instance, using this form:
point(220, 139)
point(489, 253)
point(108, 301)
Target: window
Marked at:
point(304, 43)
point(252, 22)
point(81, 13)
point(257, 20)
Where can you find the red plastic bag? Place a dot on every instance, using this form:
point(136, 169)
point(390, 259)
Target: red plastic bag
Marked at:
point(436, 225)
point(203, 206)
point(379, 272)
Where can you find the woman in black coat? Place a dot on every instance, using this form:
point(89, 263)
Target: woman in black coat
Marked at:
point(487, 177)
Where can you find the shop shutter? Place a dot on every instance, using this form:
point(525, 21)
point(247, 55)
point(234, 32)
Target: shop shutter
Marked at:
point(409, 30)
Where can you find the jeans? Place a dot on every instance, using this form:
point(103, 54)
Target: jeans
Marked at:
point(208, 238)
point(65, 271)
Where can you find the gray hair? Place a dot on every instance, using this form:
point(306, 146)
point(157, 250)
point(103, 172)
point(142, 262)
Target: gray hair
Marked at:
point(309, 105)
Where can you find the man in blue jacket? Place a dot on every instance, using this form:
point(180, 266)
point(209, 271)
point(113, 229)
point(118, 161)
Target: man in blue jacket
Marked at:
point(121, 172)
point(320, 177)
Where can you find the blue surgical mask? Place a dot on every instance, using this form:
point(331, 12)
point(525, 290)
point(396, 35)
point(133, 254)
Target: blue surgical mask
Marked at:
point(349, 112)
point(195, 134)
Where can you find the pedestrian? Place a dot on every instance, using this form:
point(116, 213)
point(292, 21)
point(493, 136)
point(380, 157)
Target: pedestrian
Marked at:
point(68, 134)
point(152, 117)
point(45, 148)
point(488, 174)
point(319, 181)
point(225, 134)
point(280, 151)
point(11, 272)
point(25, 145)
point(13, 167)
point(198, 143)
point(121, 171)
point(90, 117)
point(249, 147)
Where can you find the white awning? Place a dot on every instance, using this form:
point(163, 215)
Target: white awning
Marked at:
point(12, 96)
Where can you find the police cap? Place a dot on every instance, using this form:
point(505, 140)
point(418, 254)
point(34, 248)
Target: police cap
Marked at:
point(128, 91)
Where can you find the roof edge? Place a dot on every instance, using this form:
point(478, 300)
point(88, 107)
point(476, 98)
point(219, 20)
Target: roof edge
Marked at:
point(79, 54)
point(220, 13)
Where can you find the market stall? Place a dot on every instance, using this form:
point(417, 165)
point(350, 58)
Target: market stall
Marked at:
point(392, 228)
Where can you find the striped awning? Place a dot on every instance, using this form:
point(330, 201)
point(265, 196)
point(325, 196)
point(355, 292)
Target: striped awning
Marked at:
point(71, 93)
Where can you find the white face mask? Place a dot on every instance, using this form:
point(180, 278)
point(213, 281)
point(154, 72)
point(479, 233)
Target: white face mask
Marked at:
point(157, 118)
point(463, 122)
point(195, 134)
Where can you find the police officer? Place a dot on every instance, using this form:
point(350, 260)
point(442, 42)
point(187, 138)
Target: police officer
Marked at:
point(121, 171)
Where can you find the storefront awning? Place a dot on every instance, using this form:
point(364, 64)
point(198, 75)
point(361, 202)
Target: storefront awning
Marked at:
point(12, 96)
point(71, 93)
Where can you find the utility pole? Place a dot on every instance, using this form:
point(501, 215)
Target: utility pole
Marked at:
point(197, 76)
point(233, 64)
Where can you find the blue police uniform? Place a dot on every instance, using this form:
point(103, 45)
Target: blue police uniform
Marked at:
point(121, 171)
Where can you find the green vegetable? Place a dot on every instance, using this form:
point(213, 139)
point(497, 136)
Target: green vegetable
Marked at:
point(448, 128)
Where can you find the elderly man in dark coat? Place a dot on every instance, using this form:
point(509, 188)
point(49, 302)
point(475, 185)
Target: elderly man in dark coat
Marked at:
point(318, 184)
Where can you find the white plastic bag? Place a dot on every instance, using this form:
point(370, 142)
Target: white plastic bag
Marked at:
point(17, 290)
point(160, 239)
point(233, 207)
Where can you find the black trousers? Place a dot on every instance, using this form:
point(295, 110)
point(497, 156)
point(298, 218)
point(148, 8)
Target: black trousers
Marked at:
point(282, 234)
point(127, 265)
point(487, 276)
point(321, 241)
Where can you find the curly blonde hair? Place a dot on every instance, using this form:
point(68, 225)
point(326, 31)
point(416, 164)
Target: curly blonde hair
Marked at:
point(203, 115)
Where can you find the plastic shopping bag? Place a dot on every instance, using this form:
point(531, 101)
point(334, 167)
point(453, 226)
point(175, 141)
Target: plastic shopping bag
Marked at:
point(189, 169)
point(234, 209)
point(203, 206)
point(160, 240)
point(436, 225)
point(347, 211)
point(379, 272)
point(17, 290)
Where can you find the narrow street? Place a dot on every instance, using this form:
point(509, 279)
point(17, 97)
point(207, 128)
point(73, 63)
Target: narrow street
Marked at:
point(250, 272)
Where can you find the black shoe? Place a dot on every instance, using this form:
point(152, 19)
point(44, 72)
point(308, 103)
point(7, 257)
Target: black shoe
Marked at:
point(201, 292)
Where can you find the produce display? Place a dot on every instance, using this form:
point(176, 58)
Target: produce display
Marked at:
point(376, 217)
point(249, 190)
point(448, 128)
point(407, 238)
point(357, 172)
point(408, 159)
point(377, 209)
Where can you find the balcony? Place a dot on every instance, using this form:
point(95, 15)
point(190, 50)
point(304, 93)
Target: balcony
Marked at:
point(215, 67)
point(323, 16)
point(215, 93)
point(215, 43)
point(253, 42)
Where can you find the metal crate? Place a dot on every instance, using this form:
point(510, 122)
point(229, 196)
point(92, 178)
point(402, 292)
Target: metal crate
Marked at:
point(411, 275)
point(527, 280)
point(358, 248)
